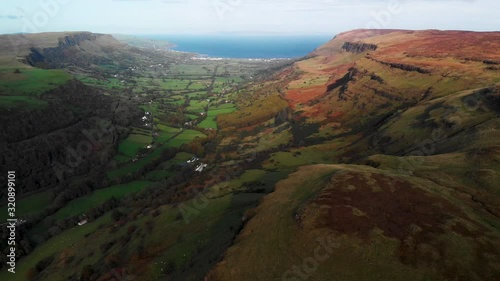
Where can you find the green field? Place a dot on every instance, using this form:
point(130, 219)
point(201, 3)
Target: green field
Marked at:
point(97, 197)
point(192, 116)
point(133, 143)
point(216, 112)
point(197, 106)
point(29, 205)
point(31, 81)
point(135, 166)
point(199, 85)
point(209, 122)
point(174, 84)
point(196, 94)
point(56, 244)
point(213, 112)
point(166, 132)
point(110, 83)
point(196, 70)
point(185, 137)
point(153, 108)
point(223, 106)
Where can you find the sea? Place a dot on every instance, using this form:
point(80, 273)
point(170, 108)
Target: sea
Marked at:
point(244, 47)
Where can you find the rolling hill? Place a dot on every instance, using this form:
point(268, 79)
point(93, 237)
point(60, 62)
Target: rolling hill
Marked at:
point(375, 157)
point(398, 163)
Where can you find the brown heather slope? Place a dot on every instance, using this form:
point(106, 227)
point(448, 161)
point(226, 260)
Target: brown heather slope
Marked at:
point(415, 114)
point(383, 226)
point(368, 71)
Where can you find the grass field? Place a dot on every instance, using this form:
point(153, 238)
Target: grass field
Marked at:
point(174, 84)
point(216, 112)
point(57, 243)
point(31, 81)
point(153, 108)
point(196, 94)
point(166, 132)
point(133, 143)
point(97, 197)
point(223, 106)
point(185, 137)
point(209, 122)
point(29, 205)
point(213, 112)
point(110, 83)
point(197, 106)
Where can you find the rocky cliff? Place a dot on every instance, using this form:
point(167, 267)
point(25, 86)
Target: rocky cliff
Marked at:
point(82, 49)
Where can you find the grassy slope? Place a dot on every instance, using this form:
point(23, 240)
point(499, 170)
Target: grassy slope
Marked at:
point(434, 217)
point(96, 198)
point(29, 205)
point(299, 214)
point(20, 90)
point(65, 240)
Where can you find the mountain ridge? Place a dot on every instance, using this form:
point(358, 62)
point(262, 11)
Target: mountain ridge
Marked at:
point(396, 172)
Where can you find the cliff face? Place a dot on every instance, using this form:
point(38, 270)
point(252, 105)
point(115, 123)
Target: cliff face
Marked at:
point(394, 68)
point(75, 39)
point(82, 49)
point(357, 47)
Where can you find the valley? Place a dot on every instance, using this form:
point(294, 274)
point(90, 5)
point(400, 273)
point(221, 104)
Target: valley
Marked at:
point(380, 148)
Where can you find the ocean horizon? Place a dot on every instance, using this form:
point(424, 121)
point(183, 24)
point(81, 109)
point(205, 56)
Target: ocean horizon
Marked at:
point(244, 47)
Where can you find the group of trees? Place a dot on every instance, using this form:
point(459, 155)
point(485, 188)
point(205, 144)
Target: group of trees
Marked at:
point(75, 134)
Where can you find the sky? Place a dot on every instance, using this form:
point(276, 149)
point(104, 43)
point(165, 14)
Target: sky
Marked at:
point(245, 17)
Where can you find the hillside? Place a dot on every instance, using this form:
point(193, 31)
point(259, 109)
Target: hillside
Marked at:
point(367, 71)
point(100, 131)
point(49, 50)
point(405, 126)
point(375, 157)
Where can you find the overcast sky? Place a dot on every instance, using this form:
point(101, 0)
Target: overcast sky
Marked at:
point(315, 17)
